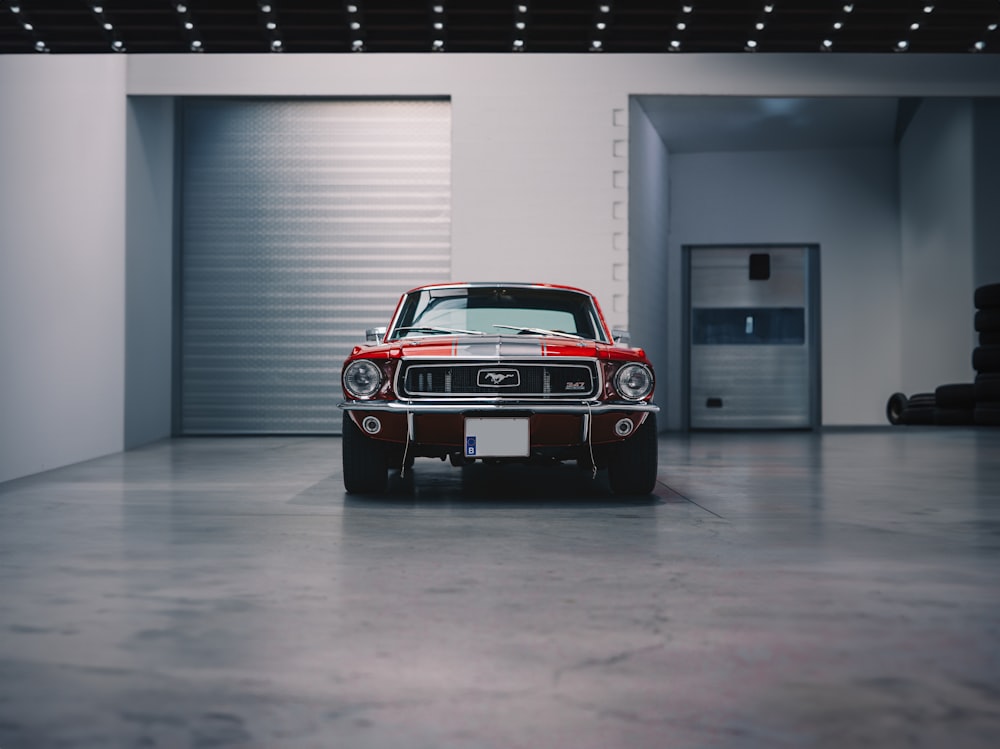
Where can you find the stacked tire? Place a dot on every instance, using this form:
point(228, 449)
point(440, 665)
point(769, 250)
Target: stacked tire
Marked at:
point(955, 405)
point(986, 356)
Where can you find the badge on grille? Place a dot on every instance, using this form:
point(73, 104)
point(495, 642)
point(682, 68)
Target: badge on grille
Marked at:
point(498, 378)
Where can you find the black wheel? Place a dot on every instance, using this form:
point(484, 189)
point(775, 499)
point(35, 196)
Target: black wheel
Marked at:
point(919, 409)
point(366, 470)
point(954, 416)
point(632, 464)
point(988, 414)
point(961, 396)
point(987, 320)
point(895, 407)
point(917, 416)
point(986, 359)
point(988, 296)
point(987, 388)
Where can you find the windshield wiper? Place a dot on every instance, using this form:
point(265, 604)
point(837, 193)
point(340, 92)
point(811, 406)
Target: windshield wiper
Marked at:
point(540, 331)
point(443, 331)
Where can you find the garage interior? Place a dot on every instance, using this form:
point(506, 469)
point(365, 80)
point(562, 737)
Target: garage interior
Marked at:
point(179, 562)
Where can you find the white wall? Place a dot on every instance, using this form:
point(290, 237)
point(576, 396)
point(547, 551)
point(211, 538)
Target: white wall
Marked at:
point(62, 272)
point(649, 292)
point(844, 201)
point(149, 264)
point(936, 217)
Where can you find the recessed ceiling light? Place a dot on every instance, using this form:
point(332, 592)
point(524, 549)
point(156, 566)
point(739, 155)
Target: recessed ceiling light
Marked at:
point(108, 27)
point(848, 8)
point(681, 25)
point(901, 45)
point(352, 8)
point(914, 26)
point(760, 26)
point(39, 46)
point(265, 9)
point(518, 43)
point(196, 45)
point(605, 9)
point(118, 46)
point(980, 46)
point(519, 25)
point(28, 26)
point(357, 45)
point(98, 9)
point(928, 9)
point(601, 25)
point(838, 25)
point(752, 44)
point(15, 9)
point(276, 44)
point(687, 8)
point(675, 44)
point(520, 9)
point(992, 27)
point(188, 25)
point(768, 8)
point(271, 25)
point(181, 8)
point(596, 44)
point(827, 43)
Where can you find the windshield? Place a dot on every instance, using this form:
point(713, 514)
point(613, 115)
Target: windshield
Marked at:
point(495, 311)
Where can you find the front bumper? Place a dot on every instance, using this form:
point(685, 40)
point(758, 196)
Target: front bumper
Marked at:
point(563, 424)
point(499, 407)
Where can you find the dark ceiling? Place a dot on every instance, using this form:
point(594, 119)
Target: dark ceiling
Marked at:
point(550, 26)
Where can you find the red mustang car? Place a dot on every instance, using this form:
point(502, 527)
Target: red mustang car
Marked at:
point(498, 372)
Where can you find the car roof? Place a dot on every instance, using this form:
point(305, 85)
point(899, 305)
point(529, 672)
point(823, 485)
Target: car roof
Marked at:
point(500, 285)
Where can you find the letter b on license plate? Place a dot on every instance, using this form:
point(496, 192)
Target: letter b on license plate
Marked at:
point(496, 438)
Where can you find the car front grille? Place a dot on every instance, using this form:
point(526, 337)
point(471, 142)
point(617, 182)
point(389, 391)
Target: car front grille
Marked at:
point(492, 380)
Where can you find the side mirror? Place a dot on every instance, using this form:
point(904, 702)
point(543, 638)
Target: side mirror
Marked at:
point(621, 336)
point(375, 335)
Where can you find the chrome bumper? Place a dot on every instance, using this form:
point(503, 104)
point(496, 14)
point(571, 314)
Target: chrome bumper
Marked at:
point(465, 406)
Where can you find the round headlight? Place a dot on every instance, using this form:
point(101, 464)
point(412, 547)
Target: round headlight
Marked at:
point(362, 379)
point(634, 382)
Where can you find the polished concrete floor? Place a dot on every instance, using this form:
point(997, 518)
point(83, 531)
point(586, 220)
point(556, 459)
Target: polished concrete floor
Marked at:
point(839, 589)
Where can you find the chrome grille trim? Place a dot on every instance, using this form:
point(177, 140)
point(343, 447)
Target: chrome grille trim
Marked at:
point(422, 379)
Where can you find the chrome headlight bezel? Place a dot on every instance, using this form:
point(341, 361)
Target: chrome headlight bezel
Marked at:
point(362, 378)
point(634, 382)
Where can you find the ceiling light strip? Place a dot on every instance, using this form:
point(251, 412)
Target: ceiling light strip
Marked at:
point(439, 26)
point(20, 16)
point(681, 23)
point(519, 42)
point(188, 28)
point(601, 25)
point(838, 25)
point(107, 27)
point(269, 20)
point(354, 17)
point(763, 19)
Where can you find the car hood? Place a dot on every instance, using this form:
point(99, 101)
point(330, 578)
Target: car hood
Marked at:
point(496, 347)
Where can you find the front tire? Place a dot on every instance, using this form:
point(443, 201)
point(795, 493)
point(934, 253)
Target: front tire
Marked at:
point(632, 464)
point(366, 469)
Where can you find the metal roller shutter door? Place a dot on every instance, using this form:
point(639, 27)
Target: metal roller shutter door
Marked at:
point(302, 222)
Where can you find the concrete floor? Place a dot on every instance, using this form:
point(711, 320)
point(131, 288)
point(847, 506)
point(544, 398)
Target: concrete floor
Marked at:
point(839, 590)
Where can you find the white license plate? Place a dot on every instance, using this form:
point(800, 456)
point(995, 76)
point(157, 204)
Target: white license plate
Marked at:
point(496, 438)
